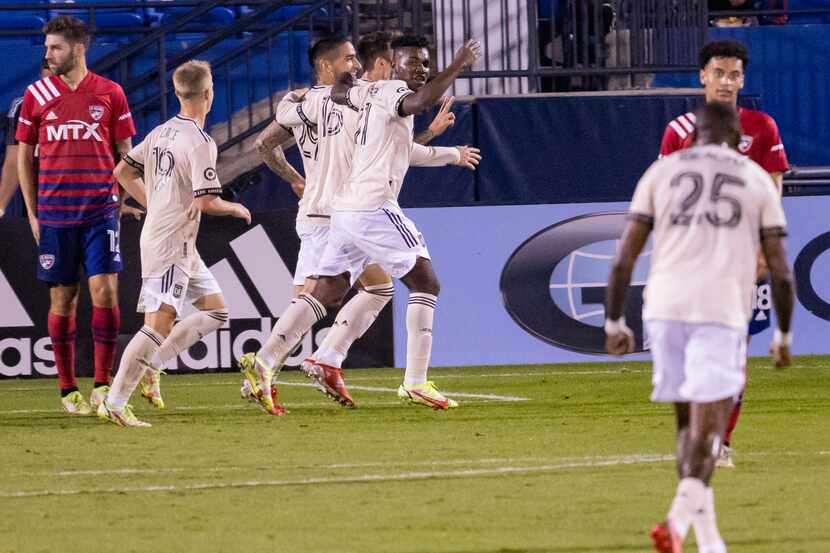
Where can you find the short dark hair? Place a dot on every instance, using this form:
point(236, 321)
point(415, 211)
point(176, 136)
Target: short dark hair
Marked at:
point(71, 28)
point(410, 41)
point(371, 46)
point(325, 46)
point(719, 122)
point(723, 49)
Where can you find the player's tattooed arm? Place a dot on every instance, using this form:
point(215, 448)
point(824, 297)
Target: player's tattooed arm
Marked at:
point(28, 184)
point(270, 144)
point(633, 241)
point(443, 121)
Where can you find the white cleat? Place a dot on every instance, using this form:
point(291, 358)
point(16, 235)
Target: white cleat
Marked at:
point(122, 417)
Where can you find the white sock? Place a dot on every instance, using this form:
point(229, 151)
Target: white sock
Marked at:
point(295, 321)
point(187, 332)
point(352, 322)
point(419, 314)
point(688, 500)
point(706, 526)
point(143, 345)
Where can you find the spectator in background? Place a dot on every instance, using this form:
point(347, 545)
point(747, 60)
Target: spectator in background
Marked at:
point(732, 5)
point(11, 200)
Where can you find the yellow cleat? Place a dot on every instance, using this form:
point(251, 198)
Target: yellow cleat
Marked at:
point(426, 394)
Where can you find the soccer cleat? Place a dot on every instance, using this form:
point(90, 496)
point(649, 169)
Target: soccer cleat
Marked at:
point(98, 396)
point(75, 404)
point(121, 417)
point(725, 458)
point(150, 385)
point(426, 394)
point(329, 381)
point(259, 378)
point(665, 539)
point(246, 392)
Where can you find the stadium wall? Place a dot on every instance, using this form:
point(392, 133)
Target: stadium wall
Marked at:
point(498, 306)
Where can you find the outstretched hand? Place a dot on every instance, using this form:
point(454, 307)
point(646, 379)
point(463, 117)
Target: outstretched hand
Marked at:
point(470, 157)
point(468, 54)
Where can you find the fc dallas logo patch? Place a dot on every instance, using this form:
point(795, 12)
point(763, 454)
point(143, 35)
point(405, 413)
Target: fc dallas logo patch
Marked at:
point(745, 144)
point(96, 112)
point(47, 261)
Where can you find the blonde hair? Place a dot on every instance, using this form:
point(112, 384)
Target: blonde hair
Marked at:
point(191, 79)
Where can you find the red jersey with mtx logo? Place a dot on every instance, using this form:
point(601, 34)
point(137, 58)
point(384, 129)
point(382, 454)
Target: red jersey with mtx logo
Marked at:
point(75, 132)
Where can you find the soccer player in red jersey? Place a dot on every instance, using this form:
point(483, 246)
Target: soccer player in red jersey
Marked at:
point(722, 67)
point(81, 123)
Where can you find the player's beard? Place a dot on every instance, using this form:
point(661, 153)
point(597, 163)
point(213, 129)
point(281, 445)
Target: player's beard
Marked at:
point(65, 67)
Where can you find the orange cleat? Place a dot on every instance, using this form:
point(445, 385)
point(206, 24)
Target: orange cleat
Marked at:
point(329, 381)
point(665, 539)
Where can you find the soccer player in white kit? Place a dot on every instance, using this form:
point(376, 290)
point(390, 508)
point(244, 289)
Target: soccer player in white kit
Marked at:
point(177, 162)
point(368, 227)
point(325, 132)
point(710, 209)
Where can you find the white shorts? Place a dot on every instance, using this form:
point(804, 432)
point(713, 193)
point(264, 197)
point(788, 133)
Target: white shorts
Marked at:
point(384, 237)
point(313, 240)
point(697, 363)
point(175, 288)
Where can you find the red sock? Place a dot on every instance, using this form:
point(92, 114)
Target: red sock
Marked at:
point(733, 419)
point(62, 333)
point(106, 322)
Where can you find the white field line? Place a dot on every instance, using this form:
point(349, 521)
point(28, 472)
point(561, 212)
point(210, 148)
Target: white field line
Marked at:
point(356, 479)
point(335, 466)
point(381, 464)
point(397, 376)
point(469, 395)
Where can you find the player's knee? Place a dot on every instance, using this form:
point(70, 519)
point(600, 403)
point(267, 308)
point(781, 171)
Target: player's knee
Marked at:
point(330, 292)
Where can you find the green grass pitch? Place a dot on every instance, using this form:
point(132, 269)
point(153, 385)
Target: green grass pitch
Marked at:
point(582, 463)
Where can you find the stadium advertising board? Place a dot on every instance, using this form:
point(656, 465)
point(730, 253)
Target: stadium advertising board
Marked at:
point(526, 284)
point(253, 265)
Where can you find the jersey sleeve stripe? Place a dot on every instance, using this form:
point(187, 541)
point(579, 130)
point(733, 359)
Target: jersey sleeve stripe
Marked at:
point(641, 217)
point(44, 91)
point(125, 116)
point(31, 88)
point(399, 103)
point(773, 231)
point(692, 117)
point(133, 163)
point(15, 106)
point(777, 147)
point(51, 87)
point(205, 191)
point(24, 121)
point(679, 130)
point(686, 124)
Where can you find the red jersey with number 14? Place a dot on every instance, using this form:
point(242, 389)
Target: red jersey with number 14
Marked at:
point(760, 140)
point(75, 132)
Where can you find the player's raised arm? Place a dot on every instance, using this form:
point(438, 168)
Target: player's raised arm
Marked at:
point(431, 92)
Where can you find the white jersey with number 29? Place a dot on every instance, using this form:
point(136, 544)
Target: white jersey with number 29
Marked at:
point(709, 206)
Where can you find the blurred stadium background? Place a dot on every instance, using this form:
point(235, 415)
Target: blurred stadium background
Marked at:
point(568, 105)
